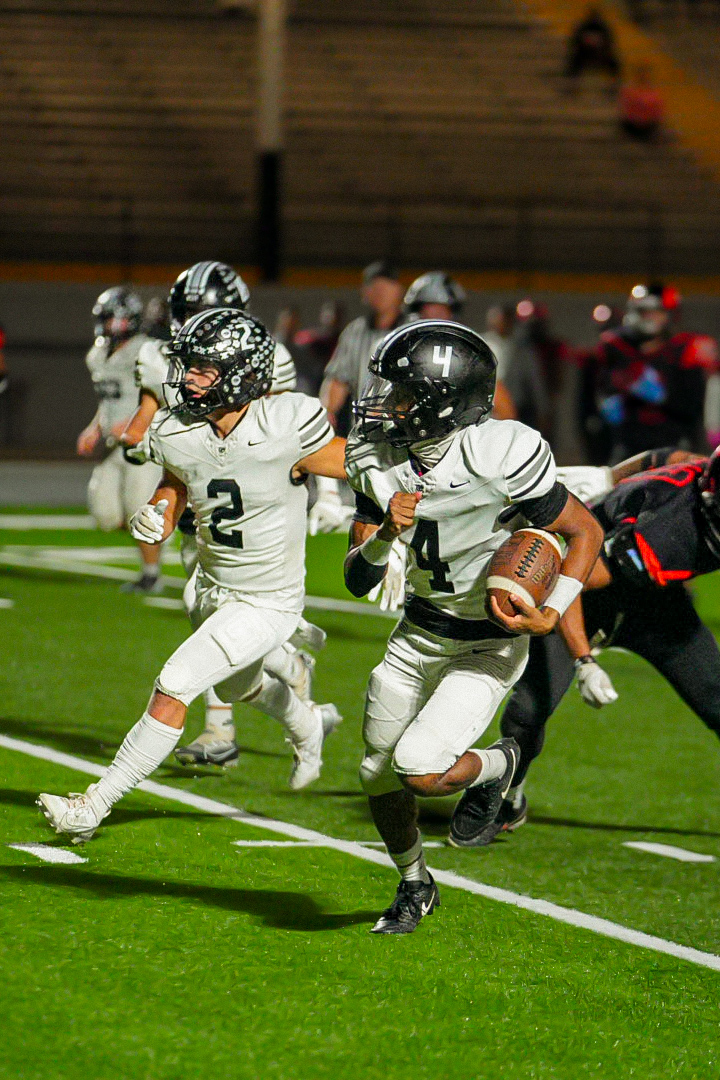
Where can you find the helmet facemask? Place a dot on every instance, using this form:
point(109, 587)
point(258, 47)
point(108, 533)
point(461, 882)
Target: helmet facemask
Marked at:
point(405, 413)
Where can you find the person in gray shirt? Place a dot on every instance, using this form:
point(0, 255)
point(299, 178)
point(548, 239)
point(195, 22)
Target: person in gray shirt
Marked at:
point(346, 372)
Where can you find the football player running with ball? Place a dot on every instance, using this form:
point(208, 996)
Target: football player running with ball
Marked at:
point(429, 466)
point(237, 456)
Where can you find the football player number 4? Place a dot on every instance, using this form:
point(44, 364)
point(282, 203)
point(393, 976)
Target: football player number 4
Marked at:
point(426, 545)
point(443, 357)
point(233, 538)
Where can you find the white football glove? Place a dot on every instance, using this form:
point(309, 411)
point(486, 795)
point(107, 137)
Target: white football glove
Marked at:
point(391, 589)
point(328, 514)
point(148, 524)
point(594, 685)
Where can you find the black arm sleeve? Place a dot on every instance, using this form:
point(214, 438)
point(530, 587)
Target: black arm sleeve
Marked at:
point(367, 512)
point(547, 508)
point(362, 576)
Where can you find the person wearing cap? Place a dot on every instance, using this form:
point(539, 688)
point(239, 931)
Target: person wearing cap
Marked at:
point(346, 372)
point(652, 377)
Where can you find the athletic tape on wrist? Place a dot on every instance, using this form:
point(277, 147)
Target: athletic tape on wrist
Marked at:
point(376, 551)
point(565, 591)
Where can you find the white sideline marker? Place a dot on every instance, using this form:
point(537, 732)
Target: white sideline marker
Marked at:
point(569, 916)
point(48, 853)
point(669, 851)
point(46, 521)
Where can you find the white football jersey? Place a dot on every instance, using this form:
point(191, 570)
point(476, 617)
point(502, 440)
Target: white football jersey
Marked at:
point(486, 468)
point(251, 519)
point(113, 379)
point(152, 368)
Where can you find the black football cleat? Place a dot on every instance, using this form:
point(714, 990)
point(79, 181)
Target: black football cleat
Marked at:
point(512, 817)
point(474, 822)
point(413, 901)
point(145, 585)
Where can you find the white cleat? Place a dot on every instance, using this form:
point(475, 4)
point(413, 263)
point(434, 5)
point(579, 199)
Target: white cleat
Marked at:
point(209, 749)
point(301, 683)
point(308, 753)
point(76, 815)
point(309, 635)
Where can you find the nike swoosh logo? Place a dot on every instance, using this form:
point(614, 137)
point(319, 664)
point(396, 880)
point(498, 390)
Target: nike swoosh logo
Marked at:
point(256, 443)
point(424, 908)
point(464, 484)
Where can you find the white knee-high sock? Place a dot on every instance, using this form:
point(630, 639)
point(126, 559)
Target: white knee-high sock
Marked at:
point(276, 699)
point(218, 716)
point(493, 764)
point(144, 748)
point(411, 863)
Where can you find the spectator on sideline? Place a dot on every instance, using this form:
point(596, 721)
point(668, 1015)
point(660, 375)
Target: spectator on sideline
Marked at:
point(592, 45)
point(641, 108)
point(313, 348)
point(345, 375)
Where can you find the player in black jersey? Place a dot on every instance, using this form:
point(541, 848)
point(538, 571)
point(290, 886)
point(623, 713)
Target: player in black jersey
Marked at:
point(662, 528)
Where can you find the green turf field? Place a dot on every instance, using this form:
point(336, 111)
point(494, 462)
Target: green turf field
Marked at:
point(172, 952)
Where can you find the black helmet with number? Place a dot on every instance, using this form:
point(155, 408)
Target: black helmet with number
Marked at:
point(709, 488)
point(237, 345)
point(435, 288)
point(206, 285)
point(427, 379)
point(118, 313)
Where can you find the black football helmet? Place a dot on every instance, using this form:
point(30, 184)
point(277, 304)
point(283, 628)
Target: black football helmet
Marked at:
point(238, 345)
point(206, 285)
point(435, 288)
point(118, 313)
point(427, 379)
point(709, 489)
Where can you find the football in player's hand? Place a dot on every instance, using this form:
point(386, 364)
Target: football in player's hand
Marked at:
point(526, 565)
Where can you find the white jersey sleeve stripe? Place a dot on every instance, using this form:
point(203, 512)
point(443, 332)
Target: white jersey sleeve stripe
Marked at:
point(528, 477)
point(526, 464)
point(517, 496)
point(310, 444)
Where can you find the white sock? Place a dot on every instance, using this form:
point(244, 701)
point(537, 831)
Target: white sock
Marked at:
point(151, 570)
point(145, 748)
point(515, 795)
point(411, 864)
point(276, 699)
point(282, 662)
point(493, 765)
point(218, 717)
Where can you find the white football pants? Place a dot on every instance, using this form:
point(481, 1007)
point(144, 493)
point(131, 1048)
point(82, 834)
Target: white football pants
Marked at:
point(117, 489)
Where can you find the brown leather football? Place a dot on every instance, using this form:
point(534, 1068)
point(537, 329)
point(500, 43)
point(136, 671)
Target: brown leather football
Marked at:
point(527, 565)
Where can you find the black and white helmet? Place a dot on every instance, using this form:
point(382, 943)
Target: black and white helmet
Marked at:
point(238, 345)
point(118, 313)
point(435, 288)
point(427, 379)
point(206, 285)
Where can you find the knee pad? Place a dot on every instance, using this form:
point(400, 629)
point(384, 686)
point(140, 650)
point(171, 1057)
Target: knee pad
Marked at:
point(418, 754)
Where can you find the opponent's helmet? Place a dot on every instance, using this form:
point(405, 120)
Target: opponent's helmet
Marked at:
point(118, 313)
point(427, 379)
point(709, 488)
point(206, 285)
point(435, 288)
point(642, 304)
point(238, 345)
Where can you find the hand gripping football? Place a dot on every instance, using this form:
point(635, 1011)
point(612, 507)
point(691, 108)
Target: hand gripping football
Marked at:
point(526, 565)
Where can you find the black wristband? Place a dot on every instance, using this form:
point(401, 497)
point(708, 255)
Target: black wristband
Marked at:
point(362, 576)
point(586, 659)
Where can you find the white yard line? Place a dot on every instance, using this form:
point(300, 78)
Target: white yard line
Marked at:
point(47, 521)
point(38, 559)
point(6, 603)
point(319, 843)
point(48, 853)
point(569, 916)
point(669, 851)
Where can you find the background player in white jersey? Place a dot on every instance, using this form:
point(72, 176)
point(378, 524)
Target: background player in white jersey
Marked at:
point(237, 456)
point(204, 286)
point(430, 468)
point(117, 488)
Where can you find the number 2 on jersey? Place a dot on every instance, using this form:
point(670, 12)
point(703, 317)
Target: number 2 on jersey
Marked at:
point(234, 538)
point(427, 539)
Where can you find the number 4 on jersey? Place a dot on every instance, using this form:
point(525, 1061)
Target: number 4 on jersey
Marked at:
point(426, 545)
